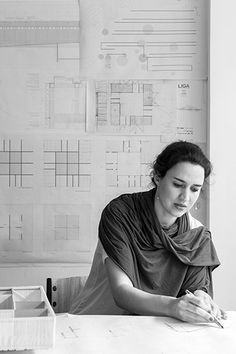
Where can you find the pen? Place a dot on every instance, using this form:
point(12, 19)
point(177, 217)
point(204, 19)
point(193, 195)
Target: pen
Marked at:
point(215, 319)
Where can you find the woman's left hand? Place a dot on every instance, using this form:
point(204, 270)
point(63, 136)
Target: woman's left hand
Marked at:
point(213, 307)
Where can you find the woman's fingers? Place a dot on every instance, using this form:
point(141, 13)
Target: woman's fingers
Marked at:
point(215, 309)
point(192, 311)
point(199, 302)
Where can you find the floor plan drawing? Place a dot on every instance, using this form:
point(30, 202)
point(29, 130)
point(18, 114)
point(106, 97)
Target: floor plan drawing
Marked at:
point(16, 228)
point(128, 162)
point(66, 103)
point(149, 39)
point(67, 228)
point(67, 164)
point(16, 163)
point(135, 107)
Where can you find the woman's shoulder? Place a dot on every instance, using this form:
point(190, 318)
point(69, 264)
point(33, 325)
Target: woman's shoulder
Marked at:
point(125, 201)
point(194, 223)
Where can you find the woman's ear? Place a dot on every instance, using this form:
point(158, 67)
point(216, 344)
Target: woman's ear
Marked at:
point(156, 179)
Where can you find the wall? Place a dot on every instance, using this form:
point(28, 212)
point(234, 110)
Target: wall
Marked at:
point(89, 95)
point(222, 147)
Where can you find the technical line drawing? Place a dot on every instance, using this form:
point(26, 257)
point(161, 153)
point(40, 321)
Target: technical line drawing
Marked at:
point(174, 44)
point(66, 103)
point(153, 39)
point(67, 163)
point(11, 227)
point(15, 164)
point(23, 33)
point(128, 163)
point(134, 106)
point(16, 228)
point(42, 24)
point(67, 227)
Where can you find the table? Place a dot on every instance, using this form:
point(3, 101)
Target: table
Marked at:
point(140, 335)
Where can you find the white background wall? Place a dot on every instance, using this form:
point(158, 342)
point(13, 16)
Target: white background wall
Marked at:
point(223, 147)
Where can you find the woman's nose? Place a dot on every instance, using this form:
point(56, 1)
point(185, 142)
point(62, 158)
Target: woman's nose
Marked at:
point(184, 196)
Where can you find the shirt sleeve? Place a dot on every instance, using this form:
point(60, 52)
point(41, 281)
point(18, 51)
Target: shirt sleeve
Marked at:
point(197, 278)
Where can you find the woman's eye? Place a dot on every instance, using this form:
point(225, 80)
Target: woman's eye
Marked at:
point(195, 189)
point(178, 185)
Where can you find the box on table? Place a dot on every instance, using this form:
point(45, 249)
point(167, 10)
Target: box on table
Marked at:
point(27, 320)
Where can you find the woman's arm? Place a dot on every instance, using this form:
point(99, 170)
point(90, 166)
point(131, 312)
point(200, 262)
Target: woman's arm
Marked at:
point(186, 308)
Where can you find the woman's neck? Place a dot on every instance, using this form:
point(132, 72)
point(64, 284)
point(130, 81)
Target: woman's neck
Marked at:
point(166, 220)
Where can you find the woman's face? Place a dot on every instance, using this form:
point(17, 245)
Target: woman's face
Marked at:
point(178, 191)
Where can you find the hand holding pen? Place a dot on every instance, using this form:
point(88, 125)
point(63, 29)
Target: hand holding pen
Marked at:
point(213, 318)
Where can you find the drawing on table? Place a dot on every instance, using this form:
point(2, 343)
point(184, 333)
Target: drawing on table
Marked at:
point(67, 163)
point(16, 228)
point(67, 228)
point(70, 333)
point(165, 39)
point(128, 162)
point(66, 103)
point(16, 163)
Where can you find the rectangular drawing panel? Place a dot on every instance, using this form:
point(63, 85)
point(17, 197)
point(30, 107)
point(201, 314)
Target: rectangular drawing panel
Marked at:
point(67, 228)
point(16, 228)
point(67, 163)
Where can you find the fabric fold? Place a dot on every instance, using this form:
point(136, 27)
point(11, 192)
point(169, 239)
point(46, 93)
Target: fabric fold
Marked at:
point(133, 238)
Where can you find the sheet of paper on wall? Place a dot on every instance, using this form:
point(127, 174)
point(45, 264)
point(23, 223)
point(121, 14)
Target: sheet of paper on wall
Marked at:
point(39, 64)
point(39, 28)
point(144, 39)
point(133, 107)
point(191, 122)
point(42, 99)
point(128, 162)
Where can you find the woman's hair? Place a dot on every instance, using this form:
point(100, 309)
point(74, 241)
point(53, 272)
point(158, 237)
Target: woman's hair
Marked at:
point(179, 151)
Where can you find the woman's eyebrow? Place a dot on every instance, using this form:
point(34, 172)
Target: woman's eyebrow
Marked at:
point(182, 181)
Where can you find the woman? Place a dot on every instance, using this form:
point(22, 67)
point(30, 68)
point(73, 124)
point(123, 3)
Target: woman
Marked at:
point(151, 250)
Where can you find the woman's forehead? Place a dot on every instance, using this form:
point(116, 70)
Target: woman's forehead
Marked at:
point(187, 172)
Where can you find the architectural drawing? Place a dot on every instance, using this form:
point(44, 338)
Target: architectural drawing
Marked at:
point(90, 92)
point(67, 164)
point(135, 106)
point(16, 228)
point(128, 162)
point(16, 162)
point(191, 108)
point(39, 23)
point(66, 103)
point(152, 107)
point(149, 39)
point(67, 228)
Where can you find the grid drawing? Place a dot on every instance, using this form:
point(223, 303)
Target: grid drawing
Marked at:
point(11, 227)
point(15, 164)
point(67, 164)
point(67, 227)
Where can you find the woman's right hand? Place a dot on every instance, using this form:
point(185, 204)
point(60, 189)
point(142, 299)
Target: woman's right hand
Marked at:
point(190, 308)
